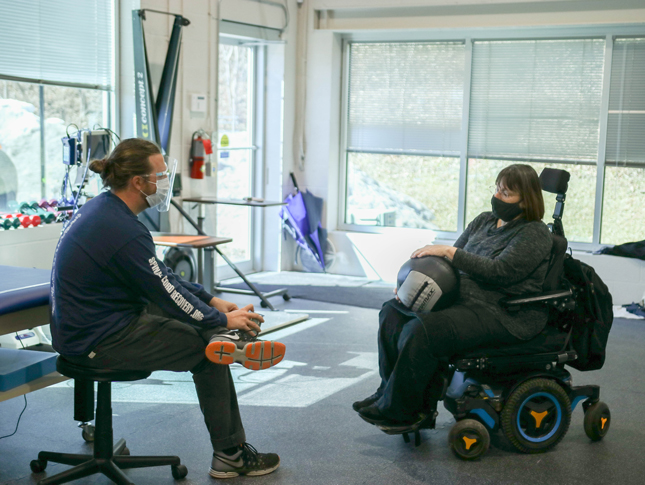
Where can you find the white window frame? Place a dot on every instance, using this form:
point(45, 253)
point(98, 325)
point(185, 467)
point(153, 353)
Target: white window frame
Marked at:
point(607, 32)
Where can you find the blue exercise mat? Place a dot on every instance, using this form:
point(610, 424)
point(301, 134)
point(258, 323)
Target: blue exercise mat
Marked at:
point(18, 367)
point(23, 288)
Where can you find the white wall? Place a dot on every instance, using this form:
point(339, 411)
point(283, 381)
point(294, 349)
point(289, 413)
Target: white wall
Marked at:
point(353, 15)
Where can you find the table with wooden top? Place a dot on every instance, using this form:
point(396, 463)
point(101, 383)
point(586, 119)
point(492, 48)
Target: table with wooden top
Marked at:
point(265, 303)
point(205, 245)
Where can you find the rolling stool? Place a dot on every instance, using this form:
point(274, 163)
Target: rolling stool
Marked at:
point(106, 459)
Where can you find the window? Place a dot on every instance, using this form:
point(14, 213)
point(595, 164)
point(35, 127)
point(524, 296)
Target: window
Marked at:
point(33, 119)
point(537, 102)
point(624, 191)
point(404, 129)
point(56, 68)
point(416, 156)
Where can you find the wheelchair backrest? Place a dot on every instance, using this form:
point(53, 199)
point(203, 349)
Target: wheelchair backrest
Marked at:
point(556, 264)
point(556, 182)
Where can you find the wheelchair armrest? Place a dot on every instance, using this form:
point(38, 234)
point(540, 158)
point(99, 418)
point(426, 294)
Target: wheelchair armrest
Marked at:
point(555, 297)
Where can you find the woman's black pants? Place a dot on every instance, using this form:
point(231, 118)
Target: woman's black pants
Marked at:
point(410, 347)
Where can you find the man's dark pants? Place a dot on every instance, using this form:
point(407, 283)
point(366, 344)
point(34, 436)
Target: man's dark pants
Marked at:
point(154, 342)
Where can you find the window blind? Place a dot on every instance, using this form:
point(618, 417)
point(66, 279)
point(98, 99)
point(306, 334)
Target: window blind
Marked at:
point(536, 100)
point(58, 41)
point(626, 121)
point(406, 98)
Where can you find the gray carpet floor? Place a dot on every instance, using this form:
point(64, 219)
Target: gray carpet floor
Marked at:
point(302, 410)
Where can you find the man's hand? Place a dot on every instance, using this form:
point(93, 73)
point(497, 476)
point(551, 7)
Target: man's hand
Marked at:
point(223, 305)
point(435, 250)
point(241, 320)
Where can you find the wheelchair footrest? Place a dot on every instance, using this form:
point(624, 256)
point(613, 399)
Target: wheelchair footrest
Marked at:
point(426, 421)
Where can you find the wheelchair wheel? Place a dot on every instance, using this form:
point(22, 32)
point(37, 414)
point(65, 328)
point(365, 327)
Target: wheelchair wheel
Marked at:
point(469, 439)
point(597, 421)
point(536, 415)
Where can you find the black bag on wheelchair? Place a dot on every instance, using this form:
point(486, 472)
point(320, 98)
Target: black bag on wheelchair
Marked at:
point(592, 317)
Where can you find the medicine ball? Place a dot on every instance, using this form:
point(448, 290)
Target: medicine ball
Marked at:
point(427, 284)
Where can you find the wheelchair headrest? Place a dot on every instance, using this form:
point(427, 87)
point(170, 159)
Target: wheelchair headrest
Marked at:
point(554, 180)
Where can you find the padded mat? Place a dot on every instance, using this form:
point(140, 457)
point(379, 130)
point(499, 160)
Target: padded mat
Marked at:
point(17, 367)
point(22, 288)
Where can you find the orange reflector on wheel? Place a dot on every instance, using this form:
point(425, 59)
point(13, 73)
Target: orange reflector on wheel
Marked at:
point(603, 421)
point(469, 442)
point(539, 417)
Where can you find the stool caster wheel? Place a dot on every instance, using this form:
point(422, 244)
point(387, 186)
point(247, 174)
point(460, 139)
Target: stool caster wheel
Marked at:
point(179, 471)
point(88, 432)
point(38, 466)
point(125, 451)
point(286, 297)
point(264, 305)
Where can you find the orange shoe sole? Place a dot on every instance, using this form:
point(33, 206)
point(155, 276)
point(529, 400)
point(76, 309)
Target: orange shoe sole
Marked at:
point(254, 355)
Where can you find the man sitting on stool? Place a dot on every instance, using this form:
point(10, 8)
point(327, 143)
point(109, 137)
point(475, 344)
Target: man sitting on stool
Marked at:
point(105, 273)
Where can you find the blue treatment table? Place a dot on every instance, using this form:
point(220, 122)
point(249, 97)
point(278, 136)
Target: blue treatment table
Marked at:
point(24, 303)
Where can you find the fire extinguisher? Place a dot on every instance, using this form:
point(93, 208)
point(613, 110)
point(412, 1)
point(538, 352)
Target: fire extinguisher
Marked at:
point(197, 157)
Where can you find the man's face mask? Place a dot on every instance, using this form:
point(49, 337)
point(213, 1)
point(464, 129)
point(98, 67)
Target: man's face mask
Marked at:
point(162, 196)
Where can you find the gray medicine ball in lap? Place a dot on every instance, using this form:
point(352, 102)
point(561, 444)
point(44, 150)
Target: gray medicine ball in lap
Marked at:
point(427, 284)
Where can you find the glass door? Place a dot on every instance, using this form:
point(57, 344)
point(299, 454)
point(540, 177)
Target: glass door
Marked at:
point(236, 151)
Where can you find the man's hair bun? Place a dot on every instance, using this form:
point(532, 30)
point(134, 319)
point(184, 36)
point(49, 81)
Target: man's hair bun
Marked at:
point(98, 166)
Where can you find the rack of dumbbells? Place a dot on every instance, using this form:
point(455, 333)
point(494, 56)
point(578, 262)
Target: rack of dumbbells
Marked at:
point(33, 214)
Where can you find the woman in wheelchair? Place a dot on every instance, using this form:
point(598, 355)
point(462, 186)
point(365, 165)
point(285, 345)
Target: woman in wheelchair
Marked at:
point(501, 253)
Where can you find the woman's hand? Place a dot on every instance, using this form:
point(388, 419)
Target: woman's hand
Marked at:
point(435, 250)
point(223, 305)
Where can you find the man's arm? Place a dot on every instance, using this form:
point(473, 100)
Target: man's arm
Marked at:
point(194, 288)
point(138, 265)
point(199, 291)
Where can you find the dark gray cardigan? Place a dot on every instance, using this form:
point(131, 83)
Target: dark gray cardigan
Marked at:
point(506, 261)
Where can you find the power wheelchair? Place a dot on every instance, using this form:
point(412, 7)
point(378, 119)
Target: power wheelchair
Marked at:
point(523, 389)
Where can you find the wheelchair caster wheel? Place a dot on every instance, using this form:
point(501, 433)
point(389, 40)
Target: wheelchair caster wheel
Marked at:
point(38, 466)
point(469, 439)
point(286, 297)
point(88, 432)
point(179, 471)
point(597, 421)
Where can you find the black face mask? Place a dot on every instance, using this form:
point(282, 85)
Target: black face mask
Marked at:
point(505, 211)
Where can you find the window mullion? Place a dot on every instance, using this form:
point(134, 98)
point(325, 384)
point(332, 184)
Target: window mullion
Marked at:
point(463, 145)
point(602, 142)
point(43, 171)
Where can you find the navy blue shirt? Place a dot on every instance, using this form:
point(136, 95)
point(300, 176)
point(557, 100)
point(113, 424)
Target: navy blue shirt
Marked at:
point(105, 273)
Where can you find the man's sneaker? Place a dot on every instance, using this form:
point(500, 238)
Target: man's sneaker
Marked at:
point(234, 346)
point(247, 461)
